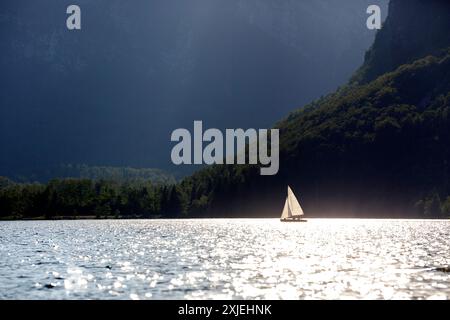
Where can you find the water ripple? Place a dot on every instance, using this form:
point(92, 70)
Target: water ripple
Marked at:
point(225, 259)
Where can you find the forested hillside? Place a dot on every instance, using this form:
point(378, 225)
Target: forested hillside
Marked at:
point(380, 149)
point(377, 147)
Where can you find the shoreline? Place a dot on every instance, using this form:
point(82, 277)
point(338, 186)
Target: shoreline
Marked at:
point(66, 218)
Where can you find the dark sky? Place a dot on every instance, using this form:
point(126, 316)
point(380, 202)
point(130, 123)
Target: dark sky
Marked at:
point(112, 93)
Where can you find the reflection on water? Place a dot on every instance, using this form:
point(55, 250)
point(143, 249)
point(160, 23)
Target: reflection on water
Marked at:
point(250, 259)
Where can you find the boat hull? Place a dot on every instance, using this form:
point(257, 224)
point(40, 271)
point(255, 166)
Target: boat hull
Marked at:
point(293, 220)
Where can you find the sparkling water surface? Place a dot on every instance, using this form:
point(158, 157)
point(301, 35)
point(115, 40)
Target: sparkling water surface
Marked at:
point(224, 259)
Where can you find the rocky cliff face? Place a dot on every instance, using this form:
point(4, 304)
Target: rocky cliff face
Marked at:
point(413, 29)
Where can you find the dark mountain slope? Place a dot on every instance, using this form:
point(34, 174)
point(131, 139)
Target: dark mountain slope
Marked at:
point(112, 93)
point(372, 150)
point(412, 30)
point(366, 151)
point(379, 149)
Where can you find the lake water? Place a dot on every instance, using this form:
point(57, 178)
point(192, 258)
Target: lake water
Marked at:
point(226, 259)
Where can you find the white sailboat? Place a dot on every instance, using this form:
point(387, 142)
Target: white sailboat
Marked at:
point(292, 210)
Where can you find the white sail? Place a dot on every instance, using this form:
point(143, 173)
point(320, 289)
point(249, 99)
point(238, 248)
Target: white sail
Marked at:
point(286, 212)
point(295, 209)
